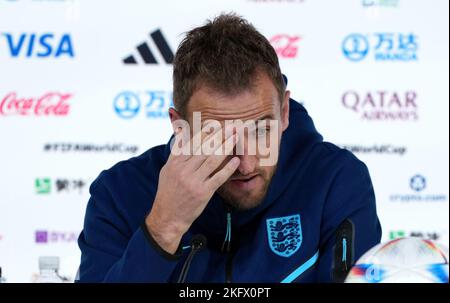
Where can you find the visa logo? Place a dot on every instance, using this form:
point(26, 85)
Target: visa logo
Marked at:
point(39, 45)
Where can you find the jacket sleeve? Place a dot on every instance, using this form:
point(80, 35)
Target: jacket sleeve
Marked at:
point(111, 251)
point(350, 224)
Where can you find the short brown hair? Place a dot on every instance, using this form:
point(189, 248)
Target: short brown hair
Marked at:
point(224, 54)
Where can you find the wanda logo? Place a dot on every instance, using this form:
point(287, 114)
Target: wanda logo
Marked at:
point(285, 46)
point(49, 104)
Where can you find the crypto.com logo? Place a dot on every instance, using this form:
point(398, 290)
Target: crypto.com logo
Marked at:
point(418, 183)
point(216, 135)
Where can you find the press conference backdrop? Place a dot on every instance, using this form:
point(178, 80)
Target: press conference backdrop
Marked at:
point(87, 83)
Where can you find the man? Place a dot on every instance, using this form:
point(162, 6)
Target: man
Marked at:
point(179, 214)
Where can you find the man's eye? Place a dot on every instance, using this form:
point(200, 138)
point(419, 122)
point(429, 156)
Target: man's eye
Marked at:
point(263, 131)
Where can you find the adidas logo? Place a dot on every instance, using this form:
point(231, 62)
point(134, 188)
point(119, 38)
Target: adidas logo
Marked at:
point(146, 54)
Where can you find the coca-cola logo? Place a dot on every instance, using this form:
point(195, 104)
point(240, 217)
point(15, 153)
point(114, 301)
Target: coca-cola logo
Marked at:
point(285, 46)
point(49, 104)
point(382, 105)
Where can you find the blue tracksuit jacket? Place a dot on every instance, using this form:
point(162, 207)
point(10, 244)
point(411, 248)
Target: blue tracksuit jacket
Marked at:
point(317, 219)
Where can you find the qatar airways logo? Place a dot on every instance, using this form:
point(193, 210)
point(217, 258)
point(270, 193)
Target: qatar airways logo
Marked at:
point(48, 104)
point(285, 46)
point(382, 105)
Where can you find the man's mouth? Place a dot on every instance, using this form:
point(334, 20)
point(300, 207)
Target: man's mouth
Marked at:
point(245, 182)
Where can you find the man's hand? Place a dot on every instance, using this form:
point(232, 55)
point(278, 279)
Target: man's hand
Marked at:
point(186, 184)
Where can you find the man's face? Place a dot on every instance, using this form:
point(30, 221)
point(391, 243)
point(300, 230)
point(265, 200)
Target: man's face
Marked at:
point(248, 185)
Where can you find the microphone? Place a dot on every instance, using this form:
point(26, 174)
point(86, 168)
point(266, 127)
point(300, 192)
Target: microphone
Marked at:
point(198, 241)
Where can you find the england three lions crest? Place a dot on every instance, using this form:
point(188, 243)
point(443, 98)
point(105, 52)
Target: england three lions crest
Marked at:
point(284, 235)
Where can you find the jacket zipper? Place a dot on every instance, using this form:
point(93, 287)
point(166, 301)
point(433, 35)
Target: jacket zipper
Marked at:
point(226, 247)
point(343, 255)
point(227, 241)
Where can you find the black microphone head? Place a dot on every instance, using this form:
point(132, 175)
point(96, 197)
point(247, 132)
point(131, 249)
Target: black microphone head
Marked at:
point(198, 241)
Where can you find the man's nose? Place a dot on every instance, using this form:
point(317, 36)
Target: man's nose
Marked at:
point(247, 165)
point(248, 161)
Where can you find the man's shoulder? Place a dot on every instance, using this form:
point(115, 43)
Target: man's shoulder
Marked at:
point(334, 159)
point(133, 171)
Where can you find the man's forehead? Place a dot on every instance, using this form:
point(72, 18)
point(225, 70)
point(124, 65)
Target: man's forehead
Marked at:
point(258, 97)
point(259, 113)
point(246, 105)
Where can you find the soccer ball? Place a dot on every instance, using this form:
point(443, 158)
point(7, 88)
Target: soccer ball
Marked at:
point(403, 260)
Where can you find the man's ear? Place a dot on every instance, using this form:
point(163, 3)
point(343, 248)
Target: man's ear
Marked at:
point(285, 111)
point(174, 116)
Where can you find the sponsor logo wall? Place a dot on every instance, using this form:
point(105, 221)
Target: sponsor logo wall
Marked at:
point(78, 95)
